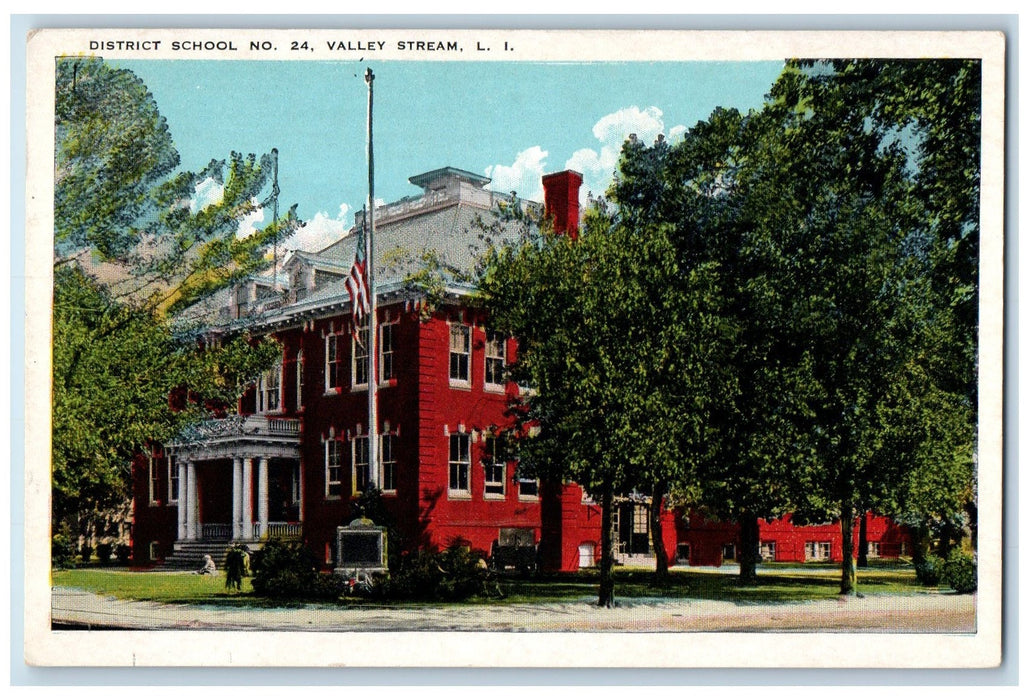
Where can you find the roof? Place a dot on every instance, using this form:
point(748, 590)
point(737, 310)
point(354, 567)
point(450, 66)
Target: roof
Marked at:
point(439, 176)
point(444, 222)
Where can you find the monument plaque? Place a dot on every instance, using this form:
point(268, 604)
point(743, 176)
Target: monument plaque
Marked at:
point(360, 547)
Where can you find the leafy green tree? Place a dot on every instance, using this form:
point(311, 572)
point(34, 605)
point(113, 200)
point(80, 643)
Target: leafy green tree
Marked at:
point(115, 365)
point(748, 455)
point(620, 344)
point(836, 201)
point(132, 254)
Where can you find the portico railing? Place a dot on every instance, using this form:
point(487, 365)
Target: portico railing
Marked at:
point(239, 426)
point(215, 531)
point(280, 530)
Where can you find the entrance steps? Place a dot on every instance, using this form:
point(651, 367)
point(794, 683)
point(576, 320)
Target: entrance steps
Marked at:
point(189, 556)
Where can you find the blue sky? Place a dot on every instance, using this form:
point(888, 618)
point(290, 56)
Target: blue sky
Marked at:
point(510, 121)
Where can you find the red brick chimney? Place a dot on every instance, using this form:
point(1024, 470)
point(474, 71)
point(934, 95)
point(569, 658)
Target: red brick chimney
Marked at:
point(561, 201)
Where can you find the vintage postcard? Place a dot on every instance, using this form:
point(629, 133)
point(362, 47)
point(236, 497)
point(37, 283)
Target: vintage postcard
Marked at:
point(514, 348)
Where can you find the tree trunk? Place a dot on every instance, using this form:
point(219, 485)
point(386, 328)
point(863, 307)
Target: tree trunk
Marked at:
point(750, 547)
point(606, 596)
point(921, 542)
point(863, 542)
point(973, 524)
point(848, 581)
point(657, 534)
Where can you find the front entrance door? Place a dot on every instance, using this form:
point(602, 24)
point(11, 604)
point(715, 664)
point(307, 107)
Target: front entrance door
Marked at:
point(634, 528)
point(283, 491)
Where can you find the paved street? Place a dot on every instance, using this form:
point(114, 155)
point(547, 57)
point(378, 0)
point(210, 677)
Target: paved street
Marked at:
point(929, 612)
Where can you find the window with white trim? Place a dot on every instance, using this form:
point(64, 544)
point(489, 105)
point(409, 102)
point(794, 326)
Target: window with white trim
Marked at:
point(387, 340)
point(528, 488)
point(333, 362)
point(494, 467)
point(152, 480)
point(333, 468)
point(269, 390)
point(359, 474)
point(359, 364)
point(496, 360)
point(173, 481)
point(768, 550)
point(817, 551)
point(388, 457)
point(460, 463)
point(299, 378)
point(874, 550)
point(460, 353)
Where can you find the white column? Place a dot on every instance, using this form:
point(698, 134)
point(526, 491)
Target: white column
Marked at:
point(262, 494)
point(237, 497)
point(248, 498)
point(182, 500)
point(191, 501)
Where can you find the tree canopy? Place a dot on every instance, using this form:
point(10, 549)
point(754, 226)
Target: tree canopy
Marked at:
point(135, 247)
point(776, 313)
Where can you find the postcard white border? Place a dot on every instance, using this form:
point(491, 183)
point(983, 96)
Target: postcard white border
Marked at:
point(458, 649)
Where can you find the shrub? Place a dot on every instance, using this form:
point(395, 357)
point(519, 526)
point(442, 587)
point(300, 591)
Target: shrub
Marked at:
point(86, 551)
point(62, 554)
point(455, 574)
point(124, 554)
point(104, 550)
point(289, 571)
point(959, 572)
point(929, 571)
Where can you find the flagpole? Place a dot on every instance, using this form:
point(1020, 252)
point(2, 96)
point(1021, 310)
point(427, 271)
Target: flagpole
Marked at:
point(374, 476)
point(275, 219)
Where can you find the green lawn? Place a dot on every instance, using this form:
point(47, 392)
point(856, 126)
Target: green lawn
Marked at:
point(795, 584)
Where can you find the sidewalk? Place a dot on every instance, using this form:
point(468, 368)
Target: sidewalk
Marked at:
point(929, 612)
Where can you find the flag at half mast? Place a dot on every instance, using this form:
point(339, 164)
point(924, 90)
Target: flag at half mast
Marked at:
point(357, 282)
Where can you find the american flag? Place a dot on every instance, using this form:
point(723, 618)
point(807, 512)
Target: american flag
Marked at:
point(357, 283)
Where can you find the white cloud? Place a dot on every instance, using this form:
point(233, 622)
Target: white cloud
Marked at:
point(598, 165)
point(320, 231)
point(676, 133)
point(523, 176)
point(615, 128)
point(209, 191)
point(206, 193)
point(247, 224)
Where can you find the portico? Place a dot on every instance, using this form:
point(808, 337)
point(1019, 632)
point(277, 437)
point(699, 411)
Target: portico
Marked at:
point(217, 462)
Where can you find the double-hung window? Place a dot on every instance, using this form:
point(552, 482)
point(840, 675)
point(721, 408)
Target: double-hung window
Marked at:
point(494, 466)
point(333, 468)
point(387, 338)
point(152, 483)
point(360, 466)
point(460, 463)
point(333, 362)
point(173, 481)
point(528, 488)
point(496, 360)
point(388, 456)
point(817, 551)
point(269, 389)
point(460, 353)
point(359, 366)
